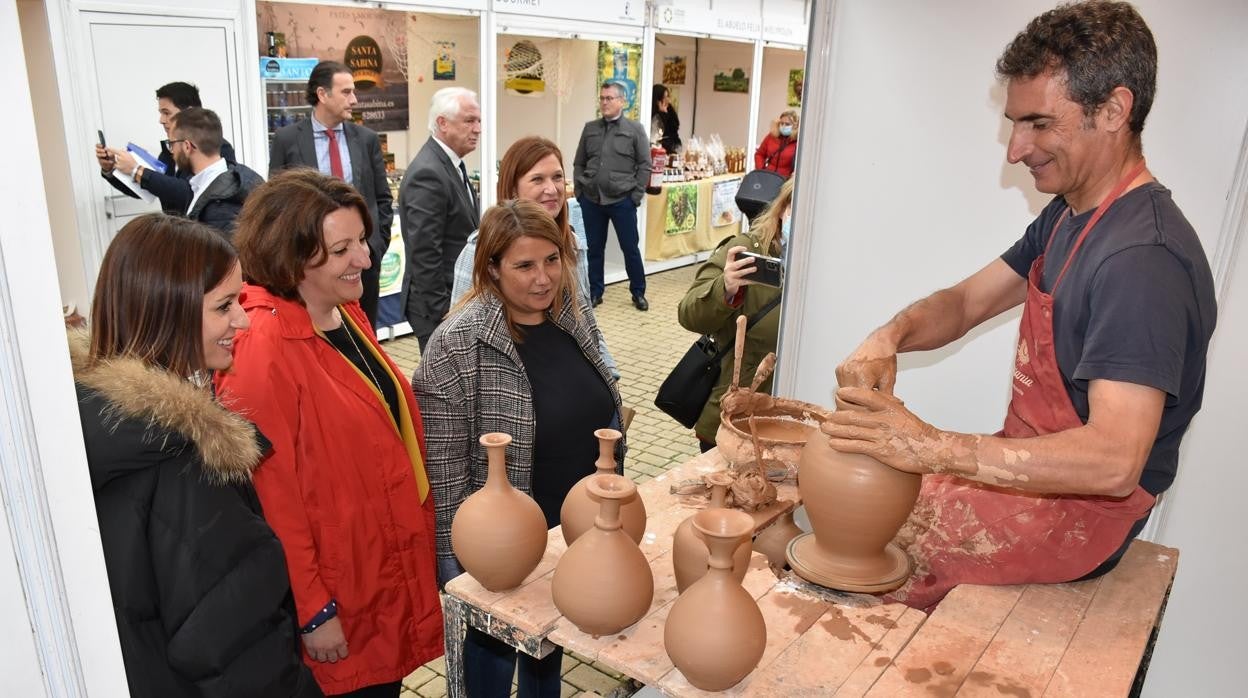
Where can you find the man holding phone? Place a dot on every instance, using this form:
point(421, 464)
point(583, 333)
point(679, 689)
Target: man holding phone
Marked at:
point(741, 278)
point(173, 187)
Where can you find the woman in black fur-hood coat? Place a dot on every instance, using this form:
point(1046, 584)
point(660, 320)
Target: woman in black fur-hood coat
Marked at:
point(198, 579)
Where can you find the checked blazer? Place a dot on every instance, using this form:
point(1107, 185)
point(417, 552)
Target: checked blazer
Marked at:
point(472, 381)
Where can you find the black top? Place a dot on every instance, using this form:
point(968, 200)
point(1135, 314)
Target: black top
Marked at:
point(670, 123)
point(1137, 305)
point(570, 401)
point(359, 355)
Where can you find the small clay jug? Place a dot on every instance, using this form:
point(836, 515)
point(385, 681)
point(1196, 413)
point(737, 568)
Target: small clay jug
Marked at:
point(576, 516)
point(603, 582)
point(856, 506)
point(714, 632)
point(689, 552)
point(499, 533)
point(774, 539)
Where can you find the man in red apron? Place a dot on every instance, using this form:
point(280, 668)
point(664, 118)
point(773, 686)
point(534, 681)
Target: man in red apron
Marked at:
point(1118, 308)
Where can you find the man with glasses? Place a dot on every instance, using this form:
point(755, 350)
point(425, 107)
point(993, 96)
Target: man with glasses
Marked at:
point(218, 187)
point(612, 169)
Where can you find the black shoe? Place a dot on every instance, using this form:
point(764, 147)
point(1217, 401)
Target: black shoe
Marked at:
point(596, 301)
point(640, 302)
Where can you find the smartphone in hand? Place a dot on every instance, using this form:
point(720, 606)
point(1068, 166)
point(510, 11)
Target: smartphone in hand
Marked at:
point(100, 133)
point(767, 270)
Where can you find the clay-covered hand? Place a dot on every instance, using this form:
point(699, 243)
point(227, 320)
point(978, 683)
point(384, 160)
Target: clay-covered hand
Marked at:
point(327, 643)
point(737, 270)
point(882, 427)
point(873, 365)
point(123, 160)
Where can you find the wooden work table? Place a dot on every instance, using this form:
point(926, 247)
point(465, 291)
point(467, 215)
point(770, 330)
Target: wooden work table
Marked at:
point(1076, 639)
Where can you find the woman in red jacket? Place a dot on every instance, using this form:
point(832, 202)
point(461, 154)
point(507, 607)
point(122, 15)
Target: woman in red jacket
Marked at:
point(778, 151)
point(345, 486)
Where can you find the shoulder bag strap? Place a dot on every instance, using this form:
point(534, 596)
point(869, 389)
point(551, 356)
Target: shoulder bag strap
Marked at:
point(719, 355)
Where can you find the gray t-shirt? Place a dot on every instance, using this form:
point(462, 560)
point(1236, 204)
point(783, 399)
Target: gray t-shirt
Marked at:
point(1137, 305)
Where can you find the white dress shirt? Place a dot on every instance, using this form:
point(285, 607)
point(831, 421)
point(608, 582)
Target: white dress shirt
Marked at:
point(203, 178)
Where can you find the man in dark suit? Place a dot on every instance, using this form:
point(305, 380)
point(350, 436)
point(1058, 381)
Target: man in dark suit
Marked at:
point(331, 143)
point(438, 208)
point(173, 187)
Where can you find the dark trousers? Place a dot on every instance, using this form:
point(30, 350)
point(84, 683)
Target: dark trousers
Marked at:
point(623, 215)
point(489, 664)
point(381, 690)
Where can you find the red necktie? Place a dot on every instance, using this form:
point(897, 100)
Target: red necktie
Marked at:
point(335, 158)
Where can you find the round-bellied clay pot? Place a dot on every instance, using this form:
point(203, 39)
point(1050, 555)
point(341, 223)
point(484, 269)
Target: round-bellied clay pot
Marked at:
point(576, 516)
point(856, 505)
point(715, 633)
point(690, 557)
point(499, 532)
point(773, 541)
point(782, 432)
point(603, 582)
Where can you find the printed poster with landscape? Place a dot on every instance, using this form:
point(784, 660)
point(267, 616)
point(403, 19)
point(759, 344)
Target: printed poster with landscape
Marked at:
point(681, 215)
point(724, 209)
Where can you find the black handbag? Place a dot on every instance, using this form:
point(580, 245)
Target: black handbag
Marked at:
point(687, 388)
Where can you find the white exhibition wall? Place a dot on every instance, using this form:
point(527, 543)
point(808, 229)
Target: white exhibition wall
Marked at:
point(423, 30)
point(907, 190)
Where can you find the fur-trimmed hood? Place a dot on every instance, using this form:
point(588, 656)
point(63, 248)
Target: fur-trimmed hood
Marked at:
point(167, 413)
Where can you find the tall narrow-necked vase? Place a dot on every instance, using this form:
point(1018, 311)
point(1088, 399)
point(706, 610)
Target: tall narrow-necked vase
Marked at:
point(690, 557)
point(715, 633)
point(603, 582)
point(576, 516)
point(499, 533)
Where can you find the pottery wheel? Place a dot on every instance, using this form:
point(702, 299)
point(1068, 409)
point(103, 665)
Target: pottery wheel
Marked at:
point(807, 565)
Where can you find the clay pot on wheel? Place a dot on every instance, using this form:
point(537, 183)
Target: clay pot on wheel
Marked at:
point(782, 432)
point(715, 633)
point(603, 582)
point(576, 516)
point(690, 557)
point(499, 533)
point(856, 506)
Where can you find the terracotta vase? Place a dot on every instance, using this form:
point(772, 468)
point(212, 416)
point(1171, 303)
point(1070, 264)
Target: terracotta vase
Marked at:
point(576, 516)
point(690, 557)
point(499, 533)
point(603, 582)
point(774, 540)
point(856, 506)
point(782, 432)
point(715, 633)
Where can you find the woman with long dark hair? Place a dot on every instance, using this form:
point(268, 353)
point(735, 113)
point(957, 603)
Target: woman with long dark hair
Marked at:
point(663, 119)
point(198, 578)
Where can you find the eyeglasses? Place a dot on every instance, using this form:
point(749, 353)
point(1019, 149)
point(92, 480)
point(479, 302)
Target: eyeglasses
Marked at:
point(178, 140)
point(608, 99)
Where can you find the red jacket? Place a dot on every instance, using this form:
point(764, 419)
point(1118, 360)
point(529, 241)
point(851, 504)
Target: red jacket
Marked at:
point(776, 154)
point(340, 491)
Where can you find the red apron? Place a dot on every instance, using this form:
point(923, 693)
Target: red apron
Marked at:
point(963, 532)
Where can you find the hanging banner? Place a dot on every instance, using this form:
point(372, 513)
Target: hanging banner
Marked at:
point(724, 209)
point(621, 64)
point(681, 215)
point(371, 42)
point(631, 12)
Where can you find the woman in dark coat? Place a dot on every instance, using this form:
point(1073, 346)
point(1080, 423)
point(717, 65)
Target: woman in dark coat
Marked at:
point(198, 579)
point(663, 118)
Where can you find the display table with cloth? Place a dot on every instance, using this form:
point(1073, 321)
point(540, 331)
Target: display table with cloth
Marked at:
point(686, 217)
point(1077, 639)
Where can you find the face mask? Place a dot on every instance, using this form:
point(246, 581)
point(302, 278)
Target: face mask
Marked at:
point(786, 225)
point(786, 131)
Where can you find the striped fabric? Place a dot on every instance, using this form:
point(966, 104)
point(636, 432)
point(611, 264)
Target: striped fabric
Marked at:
point(471, 381)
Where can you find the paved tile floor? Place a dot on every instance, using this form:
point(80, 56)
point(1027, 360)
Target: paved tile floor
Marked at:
point(646, 346)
